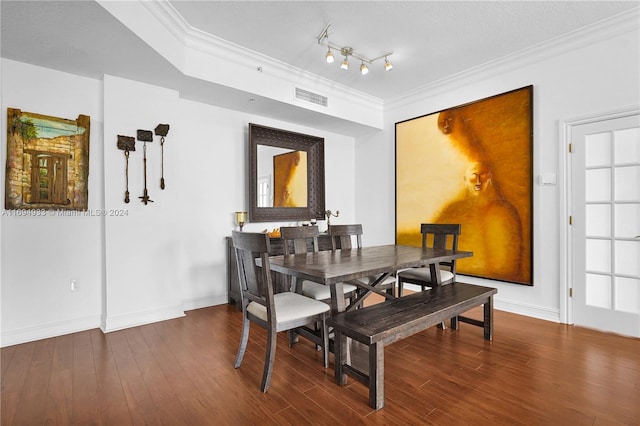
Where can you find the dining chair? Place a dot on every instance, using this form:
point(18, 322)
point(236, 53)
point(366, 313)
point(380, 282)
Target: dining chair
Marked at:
point(342, 237)
point(301, 238)
point(439, 236)
point(273, 311)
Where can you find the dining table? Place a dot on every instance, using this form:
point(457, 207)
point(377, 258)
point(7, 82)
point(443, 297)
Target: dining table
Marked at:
point(336, 267)
point(333, 268)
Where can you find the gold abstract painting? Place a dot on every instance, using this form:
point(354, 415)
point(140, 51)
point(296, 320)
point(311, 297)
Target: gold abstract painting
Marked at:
point(472, 165)
point(47, 162)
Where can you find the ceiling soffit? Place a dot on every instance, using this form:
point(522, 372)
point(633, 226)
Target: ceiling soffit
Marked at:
point(206, 57)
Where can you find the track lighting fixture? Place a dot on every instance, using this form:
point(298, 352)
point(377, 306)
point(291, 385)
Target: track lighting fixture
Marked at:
point(323, 39)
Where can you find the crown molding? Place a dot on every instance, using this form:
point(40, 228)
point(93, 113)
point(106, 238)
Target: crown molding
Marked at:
point(212, 46)
point(600, 31)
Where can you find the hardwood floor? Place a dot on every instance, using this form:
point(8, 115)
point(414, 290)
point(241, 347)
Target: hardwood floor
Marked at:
point(180, 372)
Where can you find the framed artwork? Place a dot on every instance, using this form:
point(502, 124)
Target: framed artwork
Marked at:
point(472, 165)
point(47, 162)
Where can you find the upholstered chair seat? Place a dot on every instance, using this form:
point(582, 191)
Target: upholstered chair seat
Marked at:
point(424, 275)
point(289, 307)
point(319, 291)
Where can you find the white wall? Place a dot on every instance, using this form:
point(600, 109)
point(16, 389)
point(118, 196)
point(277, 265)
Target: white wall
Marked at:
point(150, 262)
point(589, 74)
point(142, 242)
point(40, 255)
point(214, 163)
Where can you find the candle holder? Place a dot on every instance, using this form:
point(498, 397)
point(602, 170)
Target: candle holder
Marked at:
point(241, 219)
point(329, 213)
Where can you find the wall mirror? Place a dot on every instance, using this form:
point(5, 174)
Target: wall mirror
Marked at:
point(286, 175)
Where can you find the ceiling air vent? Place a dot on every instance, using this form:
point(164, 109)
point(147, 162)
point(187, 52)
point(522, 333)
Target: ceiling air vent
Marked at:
point(314, 98)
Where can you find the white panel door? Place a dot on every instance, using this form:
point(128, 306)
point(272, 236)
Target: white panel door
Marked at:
point(605, 234)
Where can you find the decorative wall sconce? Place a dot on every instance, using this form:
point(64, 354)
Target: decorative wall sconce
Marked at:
point(126, 143)
point(162, 130)
point(347, 51)
point(145, 136)
point(241, 219)
point(329, 213)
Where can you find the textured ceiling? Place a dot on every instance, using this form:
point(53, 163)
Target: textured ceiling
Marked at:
point(430, 39)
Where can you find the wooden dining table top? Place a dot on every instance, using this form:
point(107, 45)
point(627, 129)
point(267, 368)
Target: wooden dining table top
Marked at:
point(329, 267)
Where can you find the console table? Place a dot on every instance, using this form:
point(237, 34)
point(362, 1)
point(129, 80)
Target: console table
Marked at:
point(277, 248)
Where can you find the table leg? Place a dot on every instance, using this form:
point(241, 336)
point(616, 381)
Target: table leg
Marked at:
point(436, 279)
point(337, 298)
point(340, 349)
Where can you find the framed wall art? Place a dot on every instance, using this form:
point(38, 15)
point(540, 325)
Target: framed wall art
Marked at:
point(47, 162)
point(472, 164)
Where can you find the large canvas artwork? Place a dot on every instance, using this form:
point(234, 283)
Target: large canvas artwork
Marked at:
point(47, 162)
point(472, 164)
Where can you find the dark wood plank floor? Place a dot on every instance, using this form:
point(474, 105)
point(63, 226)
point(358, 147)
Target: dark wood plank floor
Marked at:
point(180, 372)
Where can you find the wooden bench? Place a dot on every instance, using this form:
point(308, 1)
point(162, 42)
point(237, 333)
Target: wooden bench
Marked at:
point(379, 325)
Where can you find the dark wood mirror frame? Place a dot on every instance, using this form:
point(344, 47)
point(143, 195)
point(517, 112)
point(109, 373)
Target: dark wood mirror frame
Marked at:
point(314, 147)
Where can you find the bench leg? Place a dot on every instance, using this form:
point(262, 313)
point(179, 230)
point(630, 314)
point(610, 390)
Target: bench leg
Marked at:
point(376, 375)
point(488, 319)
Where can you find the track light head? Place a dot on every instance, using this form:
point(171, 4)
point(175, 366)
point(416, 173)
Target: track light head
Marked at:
point(345, 51)
point(329, 56)
point(387, 65)
point(363, 69)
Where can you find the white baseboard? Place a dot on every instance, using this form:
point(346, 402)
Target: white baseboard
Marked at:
point(30, 334)
point(519, 308)
point(112, 323)
point(120, 322)
point(204, 302)
point(533, 311)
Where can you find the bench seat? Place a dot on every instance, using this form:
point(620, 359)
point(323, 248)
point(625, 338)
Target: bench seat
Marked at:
point(382, 324)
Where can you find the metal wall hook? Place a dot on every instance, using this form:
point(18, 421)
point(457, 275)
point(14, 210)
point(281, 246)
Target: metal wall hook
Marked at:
point(127, 144)
point(162, 130)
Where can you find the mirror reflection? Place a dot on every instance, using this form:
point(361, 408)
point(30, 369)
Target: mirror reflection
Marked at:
point(282, 177)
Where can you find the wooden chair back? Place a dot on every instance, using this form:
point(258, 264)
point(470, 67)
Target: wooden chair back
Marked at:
point(299, 238)
point(256, 284)
point(441, 236)
point(341, 236)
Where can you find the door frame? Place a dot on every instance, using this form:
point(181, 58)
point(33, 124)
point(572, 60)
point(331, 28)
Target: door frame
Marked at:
point(564, 194)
